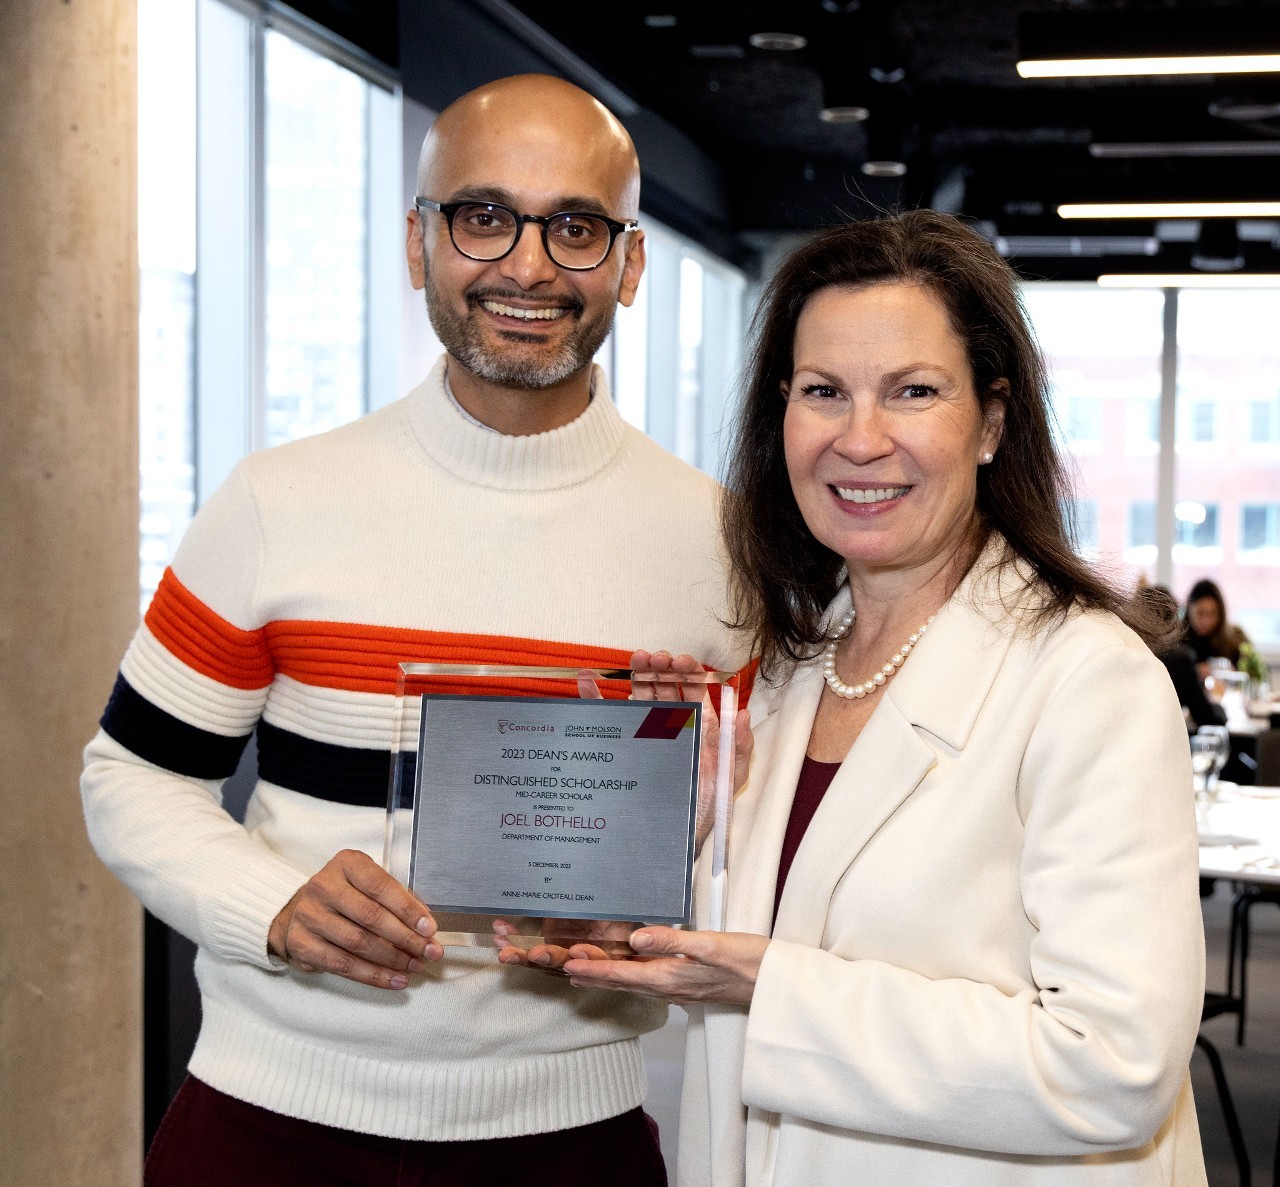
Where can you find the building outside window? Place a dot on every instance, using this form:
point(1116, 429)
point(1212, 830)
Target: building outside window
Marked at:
point(1104, 353)
point(1196, 527)
point(1084, 522)
point(1202, 420)
point(1142, 525)
point(674, 356)
point(1260, 526)
point(1083, 419)
point(1264, 421)
point(1186, 477)
point(1228, 355)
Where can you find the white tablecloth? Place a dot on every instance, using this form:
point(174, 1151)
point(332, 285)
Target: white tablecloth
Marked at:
point(1240, 834)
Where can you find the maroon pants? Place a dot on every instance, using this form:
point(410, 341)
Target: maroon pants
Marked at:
point(209, 1139)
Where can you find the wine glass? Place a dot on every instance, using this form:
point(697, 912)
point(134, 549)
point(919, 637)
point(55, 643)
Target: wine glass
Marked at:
point(1210, 750)
point(1223, 734)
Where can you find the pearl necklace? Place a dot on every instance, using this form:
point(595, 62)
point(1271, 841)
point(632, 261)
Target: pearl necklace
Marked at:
point(857, 691)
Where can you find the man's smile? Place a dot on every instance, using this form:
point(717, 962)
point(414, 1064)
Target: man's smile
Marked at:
point(551, 313)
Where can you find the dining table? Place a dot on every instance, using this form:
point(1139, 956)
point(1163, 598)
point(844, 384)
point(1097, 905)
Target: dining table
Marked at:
point(1240, 833)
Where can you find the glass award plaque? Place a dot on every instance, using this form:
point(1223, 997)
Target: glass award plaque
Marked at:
point(571, 817)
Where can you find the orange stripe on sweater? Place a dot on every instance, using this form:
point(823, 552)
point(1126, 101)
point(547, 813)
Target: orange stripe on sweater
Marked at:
point(204, 640)
point(355, 657)
point(359, 658)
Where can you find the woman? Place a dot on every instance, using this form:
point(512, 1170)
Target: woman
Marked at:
point(1180, 662)
point(983, 963)
point(1207, 631)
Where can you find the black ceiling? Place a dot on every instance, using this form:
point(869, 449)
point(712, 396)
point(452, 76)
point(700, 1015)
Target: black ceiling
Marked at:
point(735, 154)
point(976, 138)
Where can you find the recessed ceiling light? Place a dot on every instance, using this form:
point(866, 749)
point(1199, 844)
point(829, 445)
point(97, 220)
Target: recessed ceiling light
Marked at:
point(1170, 210)
point(848, 114)
point(661, 20)
point(841, 7)
point(717, 53)
point(1189, 280)
point(1121, 67)
point(1237, 107)
point(884, 168)
point(784, 42)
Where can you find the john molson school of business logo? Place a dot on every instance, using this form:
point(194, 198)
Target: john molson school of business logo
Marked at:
point(524, 727)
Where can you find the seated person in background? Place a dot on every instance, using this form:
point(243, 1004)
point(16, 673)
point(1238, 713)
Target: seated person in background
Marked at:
point(1207, 631)
point(1180, 661)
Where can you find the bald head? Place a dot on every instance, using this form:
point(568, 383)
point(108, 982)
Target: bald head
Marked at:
point(541, 134)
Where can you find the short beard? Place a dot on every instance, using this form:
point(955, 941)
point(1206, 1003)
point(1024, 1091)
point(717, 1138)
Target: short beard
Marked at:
point(534, 369)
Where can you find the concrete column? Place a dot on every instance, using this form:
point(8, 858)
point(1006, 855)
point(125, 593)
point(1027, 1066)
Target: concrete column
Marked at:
point(70, 935)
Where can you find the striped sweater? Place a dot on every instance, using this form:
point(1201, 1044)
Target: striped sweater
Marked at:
point(409, 535)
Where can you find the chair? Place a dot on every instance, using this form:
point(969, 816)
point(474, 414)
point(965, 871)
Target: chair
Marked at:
point(1267, 755)
point(1248, 896)
point(1215, 1004)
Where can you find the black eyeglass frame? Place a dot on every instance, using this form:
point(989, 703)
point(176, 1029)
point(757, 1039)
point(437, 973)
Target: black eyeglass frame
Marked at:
point(449, 209)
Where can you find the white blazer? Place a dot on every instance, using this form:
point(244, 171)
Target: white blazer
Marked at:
point(988, 963)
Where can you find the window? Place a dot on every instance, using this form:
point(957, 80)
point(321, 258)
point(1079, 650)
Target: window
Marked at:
point(1228, 359)
point(1104, 353)
point(1264, 421)
point(269, 203)
point(316, 241)
point(1185, 481)
point(167, 264)
point(1084, 516)
point(1260, 525)
point(1196, 525)
point(1084, 418)
point(1144, 422)
point(676, 352)
point(1202, 420)
point(1142, 525)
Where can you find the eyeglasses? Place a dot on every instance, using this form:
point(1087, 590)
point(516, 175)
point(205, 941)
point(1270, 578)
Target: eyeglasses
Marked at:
point(488, 231)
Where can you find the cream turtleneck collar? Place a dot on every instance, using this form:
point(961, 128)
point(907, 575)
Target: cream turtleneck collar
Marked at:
point(544, 461)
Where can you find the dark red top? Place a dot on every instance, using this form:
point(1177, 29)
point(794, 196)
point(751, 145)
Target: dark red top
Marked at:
point(815, 778)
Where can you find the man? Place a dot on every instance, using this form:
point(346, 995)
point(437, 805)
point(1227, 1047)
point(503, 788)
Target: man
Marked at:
point(502, 510)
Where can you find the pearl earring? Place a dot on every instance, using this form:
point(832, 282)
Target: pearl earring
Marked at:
point(987, 458)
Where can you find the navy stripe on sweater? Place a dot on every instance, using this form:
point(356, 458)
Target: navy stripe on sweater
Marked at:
point(162, 739)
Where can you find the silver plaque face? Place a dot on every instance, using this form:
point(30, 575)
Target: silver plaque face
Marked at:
point(556, 807)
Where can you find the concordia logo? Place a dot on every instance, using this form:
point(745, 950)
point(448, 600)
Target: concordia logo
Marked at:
point(666, 722)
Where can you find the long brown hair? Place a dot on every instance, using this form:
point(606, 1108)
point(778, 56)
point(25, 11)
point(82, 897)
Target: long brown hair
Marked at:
point(782, 577)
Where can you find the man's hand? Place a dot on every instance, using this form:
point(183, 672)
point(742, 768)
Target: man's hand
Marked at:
point(354, 919)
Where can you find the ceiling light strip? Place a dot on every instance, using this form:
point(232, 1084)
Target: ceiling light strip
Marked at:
point(1188, 280)
point(1120, 67)
point(1184, 148)
point(1170, 210)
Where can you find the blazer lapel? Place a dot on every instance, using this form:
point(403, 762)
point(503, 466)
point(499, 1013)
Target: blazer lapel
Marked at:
point(935, 698)
point(883, 768)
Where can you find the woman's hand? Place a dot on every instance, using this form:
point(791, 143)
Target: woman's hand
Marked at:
point(600, 939)
point(667, 686)
point(683, 967)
